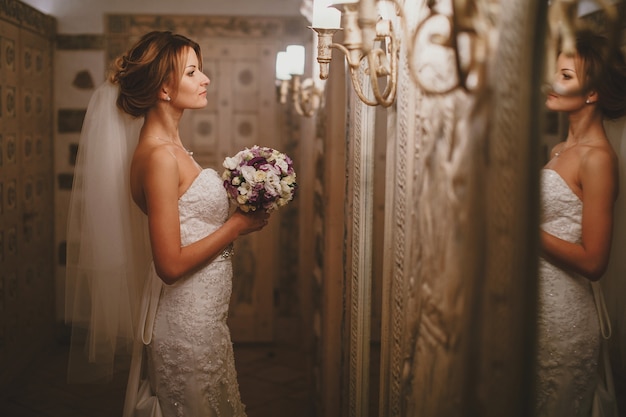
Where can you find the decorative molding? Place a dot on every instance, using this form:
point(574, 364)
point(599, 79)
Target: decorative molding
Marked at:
point(395, 297)
point(79, 42)
point(459, 259)
point(70, 120)
point(197, 26)
point(361, 138)
point(26, 17)
point(122, 30)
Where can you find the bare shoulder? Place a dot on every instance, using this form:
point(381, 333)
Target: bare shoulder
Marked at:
point(148, 157)
point(599, 157)
point(150, 164)
point(599, 169)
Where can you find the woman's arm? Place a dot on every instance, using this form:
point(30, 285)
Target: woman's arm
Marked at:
point(598, 178)
point(160, 185)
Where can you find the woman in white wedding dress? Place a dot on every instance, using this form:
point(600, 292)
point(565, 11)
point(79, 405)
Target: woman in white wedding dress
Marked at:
point(579, 186)
point(182, 361)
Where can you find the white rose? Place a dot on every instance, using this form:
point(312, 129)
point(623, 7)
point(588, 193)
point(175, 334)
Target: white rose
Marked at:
point(259, 176)
point(272, 184)
point(248, 173)
point(282, 164)
point(231, 162)
point(243, 189)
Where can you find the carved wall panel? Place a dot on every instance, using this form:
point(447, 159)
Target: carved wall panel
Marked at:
point(459, 278)
point(26, 218)
point(323, 235)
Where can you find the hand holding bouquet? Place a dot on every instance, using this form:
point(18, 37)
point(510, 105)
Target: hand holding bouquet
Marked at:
point(259, 178)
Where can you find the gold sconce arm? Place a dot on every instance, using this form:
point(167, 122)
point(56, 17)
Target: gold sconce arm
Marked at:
point(378, 66)
point(471, 26)
point(472, 20)
point(306, 96)
point(360, 34)
point(283, 91)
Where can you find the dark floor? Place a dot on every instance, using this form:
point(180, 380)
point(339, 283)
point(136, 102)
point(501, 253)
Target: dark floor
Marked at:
point(272, 382)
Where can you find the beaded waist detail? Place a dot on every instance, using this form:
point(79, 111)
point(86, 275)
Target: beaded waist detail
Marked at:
point(228, 253)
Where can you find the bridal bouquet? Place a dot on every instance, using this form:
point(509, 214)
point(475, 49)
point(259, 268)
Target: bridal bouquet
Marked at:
point(259, 178)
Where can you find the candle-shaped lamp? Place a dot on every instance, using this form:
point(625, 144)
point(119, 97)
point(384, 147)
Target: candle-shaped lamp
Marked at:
point(324, 16)
point(295, 54)
point(282, 66)
point(386, 9)
point(283, 75)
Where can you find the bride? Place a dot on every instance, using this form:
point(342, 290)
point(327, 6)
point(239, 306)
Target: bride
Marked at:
point(157, 269)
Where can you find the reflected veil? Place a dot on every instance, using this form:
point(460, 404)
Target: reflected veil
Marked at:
point(614, 280)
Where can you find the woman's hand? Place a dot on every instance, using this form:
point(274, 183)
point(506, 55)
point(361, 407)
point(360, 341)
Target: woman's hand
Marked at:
point(250, 222)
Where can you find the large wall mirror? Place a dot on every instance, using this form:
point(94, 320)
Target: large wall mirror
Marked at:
point(441, 305)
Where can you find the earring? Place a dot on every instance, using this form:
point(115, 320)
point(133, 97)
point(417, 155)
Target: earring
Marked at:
point(588, 101)
point(168, 98)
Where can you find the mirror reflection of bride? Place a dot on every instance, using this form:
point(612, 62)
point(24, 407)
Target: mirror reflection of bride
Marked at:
point(579, 186)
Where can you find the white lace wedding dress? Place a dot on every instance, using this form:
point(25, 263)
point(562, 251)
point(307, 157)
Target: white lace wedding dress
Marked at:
point(568, 329)
point(189, 354)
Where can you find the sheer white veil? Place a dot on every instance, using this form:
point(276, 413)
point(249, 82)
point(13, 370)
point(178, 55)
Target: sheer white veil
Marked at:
point(614, 281)
point(108, 252)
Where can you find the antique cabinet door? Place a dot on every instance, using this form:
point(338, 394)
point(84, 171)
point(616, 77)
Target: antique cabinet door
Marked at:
point(242, 112)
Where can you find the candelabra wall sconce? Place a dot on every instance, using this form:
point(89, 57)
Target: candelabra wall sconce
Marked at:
point(306, 95)
point(465, 33)
point(368, 35)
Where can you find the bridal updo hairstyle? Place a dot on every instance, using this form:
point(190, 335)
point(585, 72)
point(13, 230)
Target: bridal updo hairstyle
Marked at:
point(157, 58)
point(603, 70)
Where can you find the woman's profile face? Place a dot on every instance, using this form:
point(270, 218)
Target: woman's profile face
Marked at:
point(567, 87)
point(192, 89)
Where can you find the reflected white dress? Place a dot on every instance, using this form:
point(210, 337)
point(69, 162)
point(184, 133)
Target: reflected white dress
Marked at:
point(568, 328)
point(189, 355)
